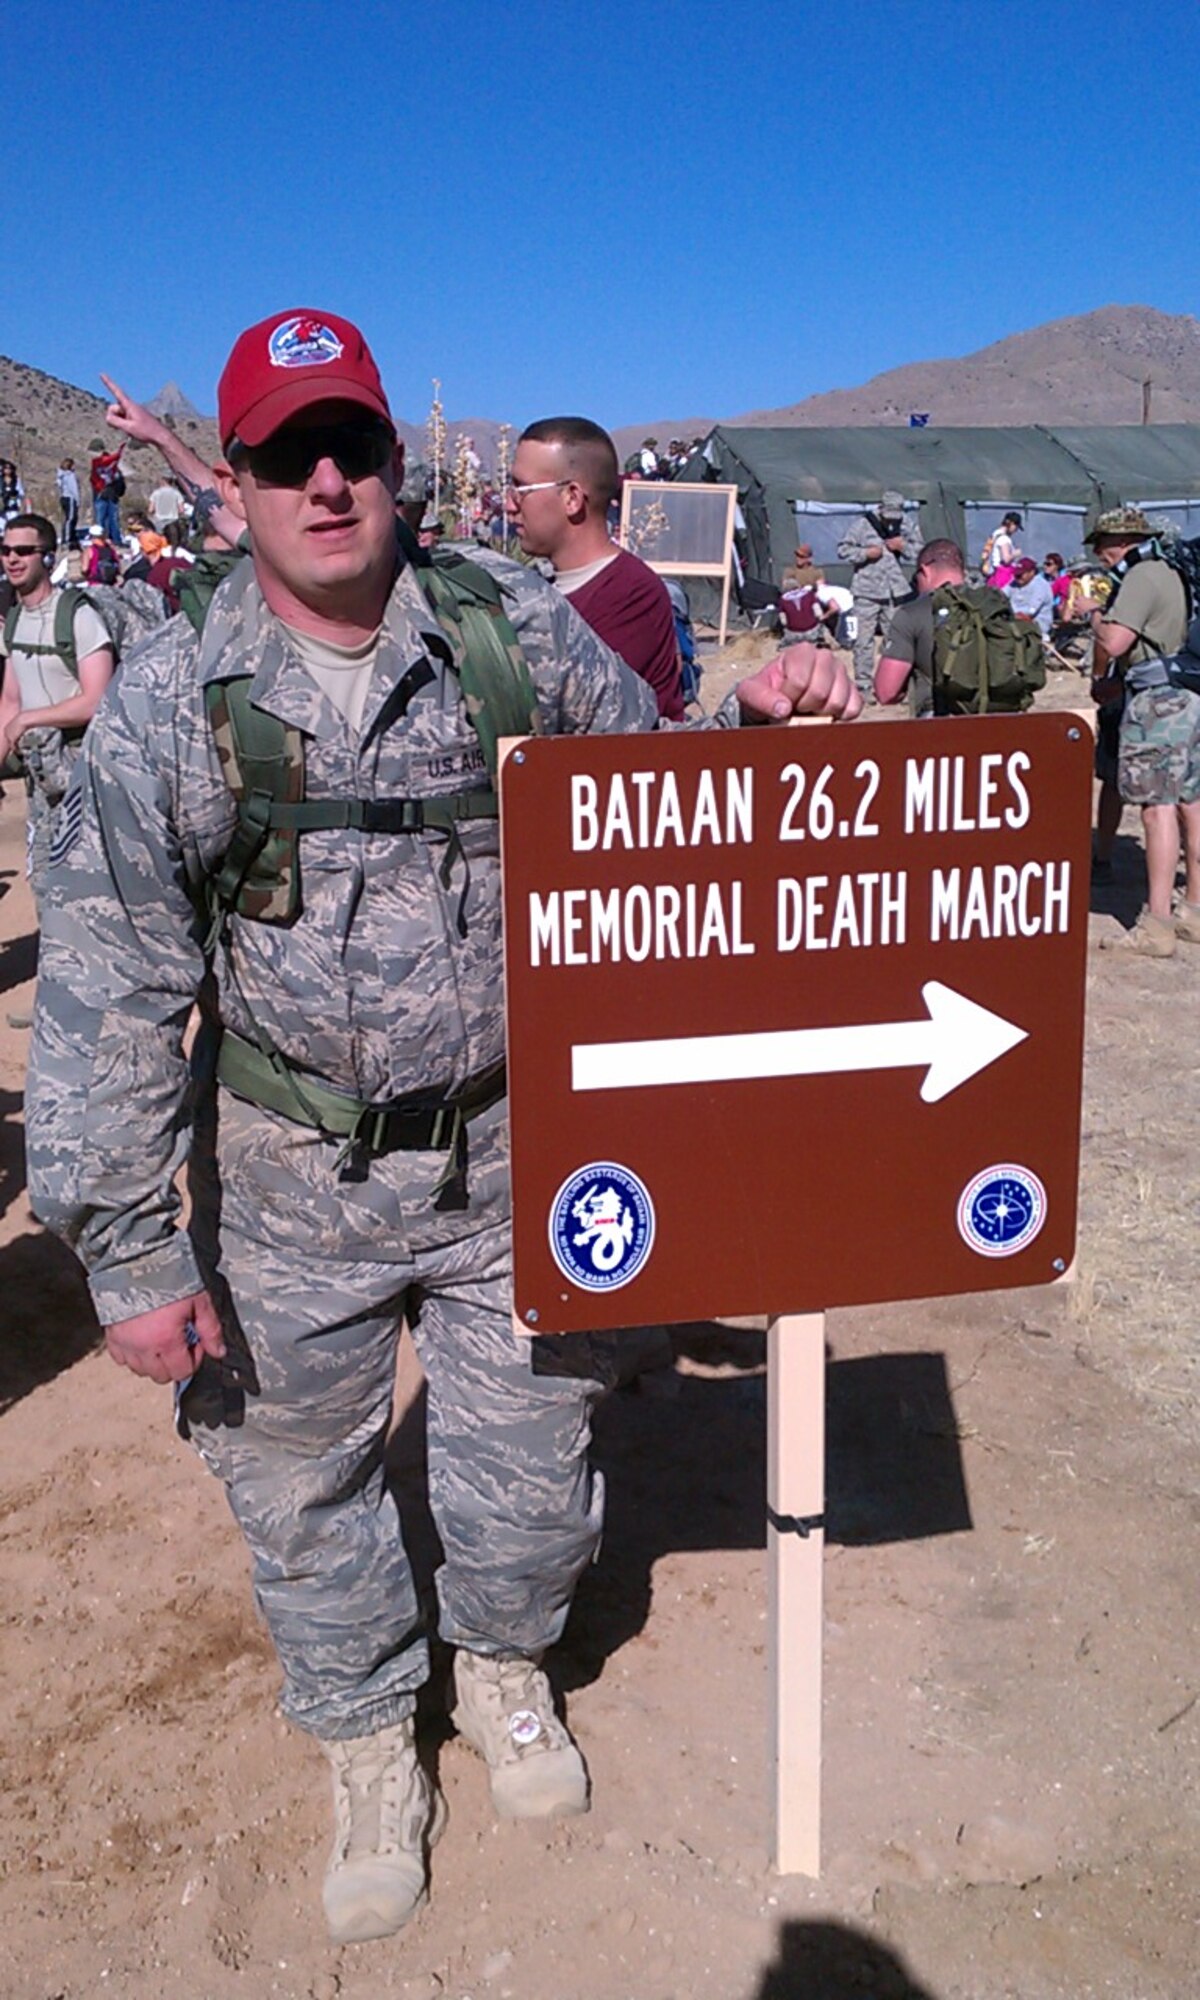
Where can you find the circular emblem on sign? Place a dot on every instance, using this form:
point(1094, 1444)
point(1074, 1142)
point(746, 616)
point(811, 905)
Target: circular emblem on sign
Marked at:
point(1001, 1210)
point(302, 343)
point(601, 1226)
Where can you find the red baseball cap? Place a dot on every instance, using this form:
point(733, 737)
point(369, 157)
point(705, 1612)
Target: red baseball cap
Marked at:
point(287, 362)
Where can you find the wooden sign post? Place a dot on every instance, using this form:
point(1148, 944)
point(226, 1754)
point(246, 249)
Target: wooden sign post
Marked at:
point(795, 1577)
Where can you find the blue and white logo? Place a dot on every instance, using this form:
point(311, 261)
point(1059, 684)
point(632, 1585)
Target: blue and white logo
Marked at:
point(601, 1226)
point(1001, 1210)
point(303, 343)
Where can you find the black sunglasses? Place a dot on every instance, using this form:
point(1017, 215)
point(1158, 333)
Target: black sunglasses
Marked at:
point(289, 458)
point(22, 549)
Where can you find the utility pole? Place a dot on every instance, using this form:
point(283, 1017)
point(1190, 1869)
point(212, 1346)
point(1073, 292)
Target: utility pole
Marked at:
point(1146, 400)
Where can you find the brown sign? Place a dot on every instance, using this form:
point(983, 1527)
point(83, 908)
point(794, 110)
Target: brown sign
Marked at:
point(795, 1016)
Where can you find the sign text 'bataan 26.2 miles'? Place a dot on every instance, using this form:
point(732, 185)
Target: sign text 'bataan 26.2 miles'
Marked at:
point(744, 967)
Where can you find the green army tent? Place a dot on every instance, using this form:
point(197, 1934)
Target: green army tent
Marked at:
point(801, 484)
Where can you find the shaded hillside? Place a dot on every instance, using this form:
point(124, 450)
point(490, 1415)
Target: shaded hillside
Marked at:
point(43, 420)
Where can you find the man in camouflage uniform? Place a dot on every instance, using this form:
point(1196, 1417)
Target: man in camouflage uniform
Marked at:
point(1157, 736)
point(375, 1013)
point(46, 701)
point(875, 547)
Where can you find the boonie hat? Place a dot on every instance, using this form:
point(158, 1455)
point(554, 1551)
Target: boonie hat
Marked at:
point(1121, 521)
point(891, 503)
point(415, 483)
point(285, 363)
point(804, 549)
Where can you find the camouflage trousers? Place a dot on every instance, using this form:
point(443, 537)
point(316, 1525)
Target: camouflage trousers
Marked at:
point(312, 1274)
point(872, 615)
point(1159, 759)
point(49, 762)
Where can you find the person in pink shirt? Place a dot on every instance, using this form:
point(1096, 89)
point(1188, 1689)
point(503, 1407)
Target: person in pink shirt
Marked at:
point(1054, 571)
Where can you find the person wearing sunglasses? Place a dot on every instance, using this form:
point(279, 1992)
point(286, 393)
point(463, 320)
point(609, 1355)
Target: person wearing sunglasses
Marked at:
point(52, 684)
point(374, 1000)
point(564, 479)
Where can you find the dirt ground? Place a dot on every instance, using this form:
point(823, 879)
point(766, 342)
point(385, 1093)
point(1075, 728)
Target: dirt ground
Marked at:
point(1012, 1704)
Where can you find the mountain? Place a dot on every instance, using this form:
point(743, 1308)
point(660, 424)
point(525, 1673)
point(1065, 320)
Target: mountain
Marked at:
point(43, 420)
point(1084, 370)
point(171, 402)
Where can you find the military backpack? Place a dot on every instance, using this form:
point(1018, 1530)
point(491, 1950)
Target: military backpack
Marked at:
point(986, 660)
point(62, 645)
point(262, 758)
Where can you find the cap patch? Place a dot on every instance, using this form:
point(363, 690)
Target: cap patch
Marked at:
point(303, 343)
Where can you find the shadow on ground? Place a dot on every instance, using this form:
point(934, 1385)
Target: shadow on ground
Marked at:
point(827, 1961)
point(1122, 893)
point(46, 1317)
point(12, 1149)
point(18, 961)
point(684, 1461)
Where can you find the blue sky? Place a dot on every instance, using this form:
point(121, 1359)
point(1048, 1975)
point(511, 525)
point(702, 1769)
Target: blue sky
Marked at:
point(634, 211)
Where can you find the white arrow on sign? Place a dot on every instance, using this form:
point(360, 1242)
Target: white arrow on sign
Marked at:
point(958, 1039)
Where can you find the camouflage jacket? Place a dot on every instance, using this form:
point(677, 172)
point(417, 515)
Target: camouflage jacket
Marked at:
point(372, 988)
point(881, 582)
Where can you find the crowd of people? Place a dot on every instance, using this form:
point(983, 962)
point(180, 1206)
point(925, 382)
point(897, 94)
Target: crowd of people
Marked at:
point(648, 462)
point(1116, 613)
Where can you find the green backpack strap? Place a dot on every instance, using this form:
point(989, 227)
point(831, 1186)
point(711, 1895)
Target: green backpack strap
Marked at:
point(69, 601)
point(262, 762)
point(497, 686)
point(63, 644)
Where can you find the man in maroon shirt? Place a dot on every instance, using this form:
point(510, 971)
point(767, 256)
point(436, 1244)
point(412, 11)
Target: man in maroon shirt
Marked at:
point(564, 476)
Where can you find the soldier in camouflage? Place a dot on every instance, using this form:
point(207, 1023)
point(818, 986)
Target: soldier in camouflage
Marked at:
point(46, 699)
point(876, 546)
point(375, 1011)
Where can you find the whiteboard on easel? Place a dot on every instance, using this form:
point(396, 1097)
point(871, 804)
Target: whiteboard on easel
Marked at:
point(681, 529)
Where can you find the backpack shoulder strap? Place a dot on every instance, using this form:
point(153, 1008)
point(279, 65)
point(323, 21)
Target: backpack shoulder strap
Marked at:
point(497, 686)
point(69, 601)
point(62, 646)
point(262, 762)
